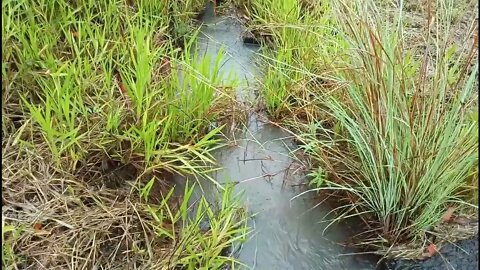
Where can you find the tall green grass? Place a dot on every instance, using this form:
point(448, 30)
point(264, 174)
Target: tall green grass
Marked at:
point(196, 84)
point(95, 89)
point(300, 50)
point(390, 128)
point(404, 146)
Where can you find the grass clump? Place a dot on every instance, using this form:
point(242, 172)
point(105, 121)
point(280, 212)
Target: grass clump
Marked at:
point(391, 129)
point(300, 48)
point(95, 124)
point(404, 140)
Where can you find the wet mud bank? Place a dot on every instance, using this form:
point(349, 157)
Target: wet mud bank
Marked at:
point(461, 255)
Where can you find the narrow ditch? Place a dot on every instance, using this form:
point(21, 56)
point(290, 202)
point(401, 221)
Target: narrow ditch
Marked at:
point(286, 232)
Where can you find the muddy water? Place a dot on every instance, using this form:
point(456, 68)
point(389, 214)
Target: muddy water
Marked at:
point(287, 234)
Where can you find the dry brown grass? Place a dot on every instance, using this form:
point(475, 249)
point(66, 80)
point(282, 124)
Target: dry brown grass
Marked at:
point(66, 223)
point(419, 14)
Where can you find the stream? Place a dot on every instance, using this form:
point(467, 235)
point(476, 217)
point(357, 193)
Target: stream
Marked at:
point(286, 233)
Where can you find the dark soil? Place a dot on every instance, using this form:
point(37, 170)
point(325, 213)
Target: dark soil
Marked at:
point(462, 255)
point(249, 38)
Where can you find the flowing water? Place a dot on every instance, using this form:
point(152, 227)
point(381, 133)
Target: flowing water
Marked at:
point(287, 234)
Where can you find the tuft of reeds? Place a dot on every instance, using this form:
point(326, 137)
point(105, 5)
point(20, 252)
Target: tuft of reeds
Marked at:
point(403, 145)
point(386, 115)
point(300, 48)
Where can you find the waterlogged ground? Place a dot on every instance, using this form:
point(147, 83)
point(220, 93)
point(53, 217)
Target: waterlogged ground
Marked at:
point(286, 233)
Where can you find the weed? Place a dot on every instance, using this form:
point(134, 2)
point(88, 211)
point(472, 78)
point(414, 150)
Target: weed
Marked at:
point(405, 147)
point(87, 85)
point(382, 114)
point(10, 234)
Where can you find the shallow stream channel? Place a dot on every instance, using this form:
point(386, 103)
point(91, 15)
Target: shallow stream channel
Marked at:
point(286, 231)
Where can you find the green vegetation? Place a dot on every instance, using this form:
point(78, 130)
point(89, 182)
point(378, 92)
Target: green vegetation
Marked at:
point(103, 102)
point(301, 47)
point(106, 103)
point(391, 127)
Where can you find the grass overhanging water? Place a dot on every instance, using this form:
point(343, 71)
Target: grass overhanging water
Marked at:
point(390, 127)
point(103, 103)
